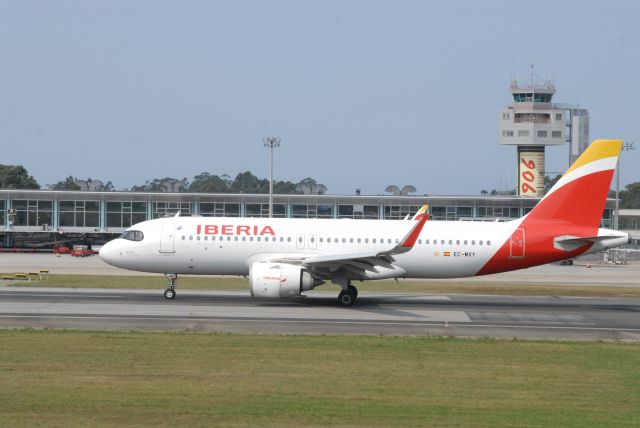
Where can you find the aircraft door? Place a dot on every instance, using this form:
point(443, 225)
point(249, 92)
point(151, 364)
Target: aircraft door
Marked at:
point(167, 238)
point(300, 241)
point(517, 243)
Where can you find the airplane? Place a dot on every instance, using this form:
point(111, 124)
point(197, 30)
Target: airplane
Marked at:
point(283, 258)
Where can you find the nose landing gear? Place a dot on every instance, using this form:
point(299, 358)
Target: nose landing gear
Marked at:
point(170, 292)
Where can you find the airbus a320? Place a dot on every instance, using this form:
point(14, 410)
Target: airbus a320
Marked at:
point(283, 258)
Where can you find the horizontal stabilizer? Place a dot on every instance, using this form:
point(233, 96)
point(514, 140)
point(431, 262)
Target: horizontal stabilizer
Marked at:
point(570, 243)
point(604, 237)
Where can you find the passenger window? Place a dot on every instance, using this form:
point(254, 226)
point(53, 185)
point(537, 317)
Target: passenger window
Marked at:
point(366, 240)
point(183, 237)
point(281, 239)
point(358, 240)
point(442, 241)
point(480, 242)
point(457, 242)
point(465, 242)
point(235, 238)
point(198, 238)
point(450, 242)
point(426, 241)
point(244, 238)
point(259, 239)
point(321, 240)
point(351, 240)
point(419, 241)
point(488, 242)
point(190, 237)
point(374, 240)
point(473, 242)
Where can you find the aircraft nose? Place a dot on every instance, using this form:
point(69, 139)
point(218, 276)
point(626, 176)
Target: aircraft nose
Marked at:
point(108, 253)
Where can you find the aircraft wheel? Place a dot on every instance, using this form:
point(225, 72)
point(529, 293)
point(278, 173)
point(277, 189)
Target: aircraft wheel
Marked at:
point(347, 298)
point(354, 290)
point(169, 293)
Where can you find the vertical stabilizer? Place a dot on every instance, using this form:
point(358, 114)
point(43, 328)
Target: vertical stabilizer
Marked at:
point(569, 214)
point(580, 195)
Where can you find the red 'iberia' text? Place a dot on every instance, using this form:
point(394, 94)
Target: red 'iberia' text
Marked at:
point(233, 229)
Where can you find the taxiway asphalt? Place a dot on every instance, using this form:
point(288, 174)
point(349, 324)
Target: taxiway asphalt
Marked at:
point(375, 313)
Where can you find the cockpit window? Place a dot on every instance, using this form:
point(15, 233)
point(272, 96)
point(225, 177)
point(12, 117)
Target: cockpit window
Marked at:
point(132, 235)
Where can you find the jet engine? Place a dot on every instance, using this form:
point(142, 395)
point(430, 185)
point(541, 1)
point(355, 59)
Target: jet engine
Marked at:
point(279, 280)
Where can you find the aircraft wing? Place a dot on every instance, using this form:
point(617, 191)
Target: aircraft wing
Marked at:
point(371, 264)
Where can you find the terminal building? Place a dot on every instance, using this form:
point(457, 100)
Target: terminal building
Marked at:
point(43, 218)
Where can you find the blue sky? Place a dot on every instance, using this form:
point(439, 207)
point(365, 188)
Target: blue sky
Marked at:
point(363, 94)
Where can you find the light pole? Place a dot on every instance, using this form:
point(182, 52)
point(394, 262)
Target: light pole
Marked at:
point(625, 148)
point(271, 142)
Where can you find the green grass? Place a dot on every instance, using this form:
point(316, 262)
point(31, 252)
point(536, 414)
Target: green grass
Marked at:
point(439, 287)
point(68, 378)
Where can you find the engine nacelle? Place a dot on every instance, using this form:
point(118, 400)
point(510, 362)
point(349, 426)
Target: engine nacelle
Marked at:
point(279, 280)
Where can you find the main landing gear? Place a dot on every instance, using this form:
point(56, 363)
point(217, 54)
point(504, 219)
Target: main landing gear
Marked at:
point(348, 297)
point(170, 292)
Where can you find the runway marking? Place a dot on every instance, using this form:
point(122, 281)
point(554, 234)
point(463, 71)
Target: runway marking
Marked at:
point(528, 317)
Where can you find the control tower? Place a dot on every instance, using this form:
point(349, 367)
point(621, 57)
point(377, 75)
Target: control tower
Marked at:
point(531, 123)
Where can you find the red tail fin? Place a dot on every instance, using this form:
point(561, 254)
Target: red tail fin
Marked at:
point(572, 208)
point(580, 195)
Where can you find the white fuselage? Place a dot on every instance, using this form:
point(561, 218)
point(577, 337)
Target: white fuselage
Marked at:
point(230, 245)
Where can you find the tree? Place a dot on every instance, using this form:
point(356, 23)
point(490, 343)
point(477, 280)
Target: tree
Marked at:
point(68, 183)
point(106, 187)
point(163, 185)
point(246, 182)
point(88, 185)
point(284, 188)
point(550, 182)
point(207, 183)
point(309, 186)
point(630, 198)
point(16, 177)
